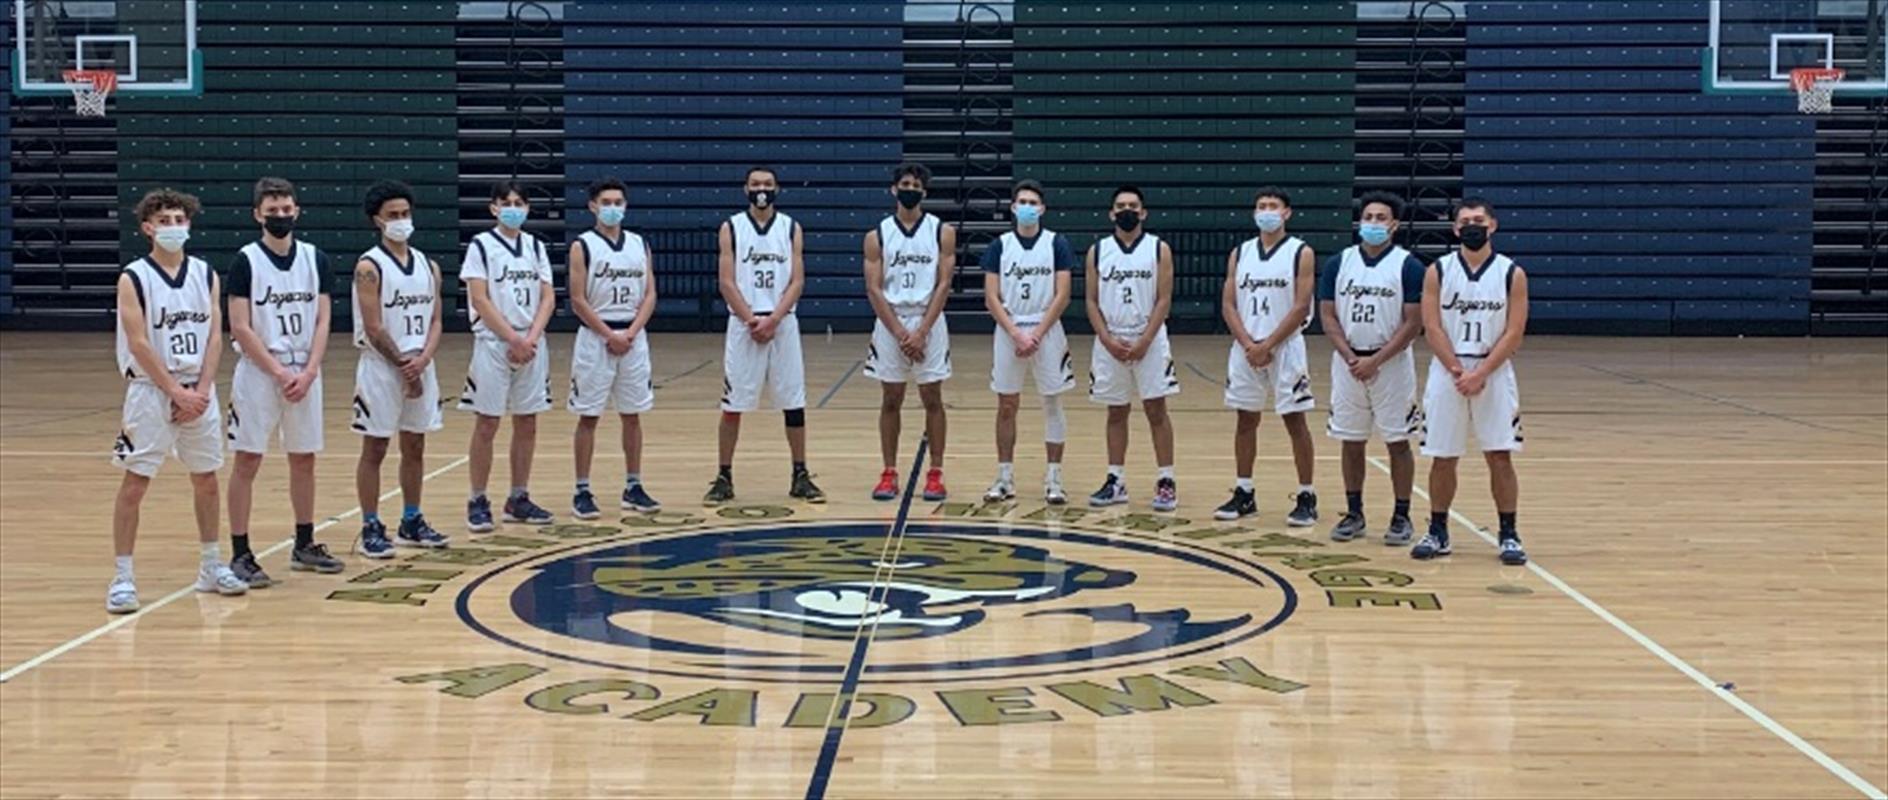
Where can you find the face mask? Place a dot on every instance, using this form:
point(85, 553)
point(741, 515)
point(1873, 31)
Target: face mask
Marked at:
point(610, 215)
point(1374, 233)
point(910, 198)
point(1474, 237)
point(1127, 219)
point(761, 198)
point(1027, 215)
point(512, 217)
point(172, 237)
point(1268, 221)
point(399, 230)
point(279, 227)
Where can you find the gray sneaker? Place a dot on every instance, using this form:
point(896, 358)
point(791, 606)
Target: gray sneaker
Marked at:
point(1399, 533)
point(1348, 528)
point(250, 572)
point(314, 558)
point(721, 491)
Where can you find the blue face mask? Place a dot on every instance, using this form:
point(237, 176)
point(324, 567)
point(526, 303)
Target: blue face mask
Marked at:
point(1027, 214)
point(512, 217)
point(1374, 233)
point(610, 215)
point(1268, 221)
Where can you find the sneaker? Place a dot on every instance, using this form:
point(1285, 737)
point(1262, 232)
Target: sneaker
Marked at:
point(250, 572)
point(1348, 528)
point(804, 489)
point(416, 533)
point(1166, 495)
point(1000, 491)
point(1399, 533)
point(1305, 514)
point(721, 491)
point(1052, 492)
point(215, 577)
point(636, 499)
point(1242, 504)
point(583, 505)
point(314, 558)
point(521, 510)
point(1433, 545)
point(122, 596)
point(478, 515)
point(934, 485)
point(887, 488)
point(1511, 552)
point(1112, 493)
point(374, 542)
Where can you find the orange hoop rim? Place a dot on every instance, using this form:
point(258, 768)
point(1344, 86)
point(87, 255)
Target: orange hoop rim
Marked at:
point(1802, 78)
point(102, 80)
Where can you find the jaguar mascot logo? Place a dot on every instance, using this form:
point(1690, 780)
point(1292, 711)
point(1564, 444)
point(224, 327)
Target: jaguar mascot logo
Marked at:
point(788, 601)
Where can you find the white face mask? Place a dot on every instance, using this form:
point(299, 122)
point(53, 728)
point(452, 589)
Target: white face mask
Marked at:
point(172, 237)
point(399, 230)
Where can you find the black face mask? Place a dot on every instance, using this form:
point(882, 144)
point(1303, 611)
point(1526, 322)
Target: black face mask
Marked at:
point(910, 198)
point(279, 227)
point(760, 198)
point(1474, 237)
point(1127, 219)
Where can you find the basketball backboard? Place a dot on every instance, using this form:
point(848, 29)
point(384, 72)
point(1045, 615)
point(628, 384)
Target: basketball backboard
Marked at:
point(150, 44)
point(1755, 43)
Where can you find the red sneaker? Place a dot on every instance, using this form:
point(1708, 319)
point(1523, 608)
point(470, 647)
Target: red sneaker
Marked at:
point(934, 485)
point(887, 488)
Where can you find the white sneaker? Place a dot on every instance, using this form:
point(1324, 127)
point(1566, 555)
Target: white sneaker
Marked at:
point(122, 596)
point(1000, 491)
point(1052, 492)
point(218, 578)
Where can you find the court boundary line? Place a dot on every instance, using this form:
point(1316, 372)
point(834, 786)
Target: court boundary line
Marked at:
point(1716, 399)
point(842, 381)
point(1697, 676)
point(121, 621)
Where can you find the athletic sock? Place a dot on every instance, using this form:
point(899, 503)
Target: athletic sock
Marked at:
point(1165, 473)
point(411, 512)
point(631, 480)
point(304, 535)
point(1005, 471)
point(1402, 508)
point(1507, 525)
point(1115, 471)
point(1355, 502)
point(212, 553)
point(123, 565)
point(1439, 522)
point(370, 517)
point(1053, 472)
point(1244, 484)
point(238, 545)
point(1306, 488)
point(583, 484)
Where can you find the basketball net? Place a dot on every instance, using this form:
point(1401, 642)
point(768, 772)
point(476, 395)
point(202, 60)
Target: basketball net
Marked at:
point(1815, 88)
point(89, 88)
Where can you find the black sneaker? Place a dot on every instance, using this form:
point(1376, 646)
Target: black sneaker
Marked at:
point(583, 505)
point(521, 510)
point(721, 491)
point(1348, 528)
point(804, 489)
point(1112, 492)
point(1511, 552)
point(1305, 514)
point(249, 571)
point(478, 515)
point(635, 498)
point(1242, 504)
point(314, 558)
point(374, 542)
point(416, 533)
point(1434, 545)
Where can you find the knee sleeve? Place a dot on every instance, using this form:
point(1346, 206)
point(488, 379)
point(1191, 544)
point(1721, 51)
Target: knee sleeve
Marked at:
point(1055, 426)
point(796, 417)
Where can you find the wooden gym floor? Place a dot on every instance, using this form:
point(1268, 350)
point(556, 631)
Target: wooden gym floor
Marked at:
point(1707, 614)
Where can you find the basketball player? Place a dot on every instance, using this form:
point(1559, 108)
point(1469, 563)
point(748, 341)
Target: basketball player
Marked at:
point(1370, 298)
point(396, 327)
point(279, 305)
point(1474, 315)
point(169, 335)
point(762, 274)
point(1266, 301)
point(909, 260)
point(1130, 289)
point(613, 293)
point(507, 275)
point(1026, 275)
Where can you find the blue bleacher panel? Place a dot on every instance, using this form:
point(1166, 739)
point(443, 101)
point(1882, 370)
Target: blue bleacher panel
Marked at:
point(1637, 201)
point(6, 200)
point(680, 109)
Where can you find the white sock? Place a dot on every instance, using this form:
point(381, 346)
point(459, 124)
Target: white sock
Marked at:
point(1245, 484)
point(517, 492)
point(1006, 472)
point(1116, 471)
point(477, 494)
point(631, 479)
point(212, 553)
point(124, 566)
point(1053, 473)
point(583, 484)
point(1306, 489)
point(1166, 472)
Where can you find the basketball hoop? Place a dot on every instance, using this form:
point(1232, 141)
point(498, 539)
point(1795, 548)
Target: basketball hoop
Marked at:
point(1815, 88)
point(89, 88)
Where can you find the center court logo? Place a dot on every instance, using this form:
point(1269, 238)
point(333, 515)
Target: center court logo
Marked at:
point(957, 602)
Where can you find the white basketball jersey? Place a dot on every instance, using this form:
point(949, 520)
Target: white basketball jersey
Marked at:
point(1028, 276)
point(763, 259)
point(176, 315)
point(617, 274)
point(514, 271)
point(1474, 307)
point(910, 259)
point(1267, 284)
point(1370, 296)
point(407, 295)
point(1129, 278)
point(282, 302)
